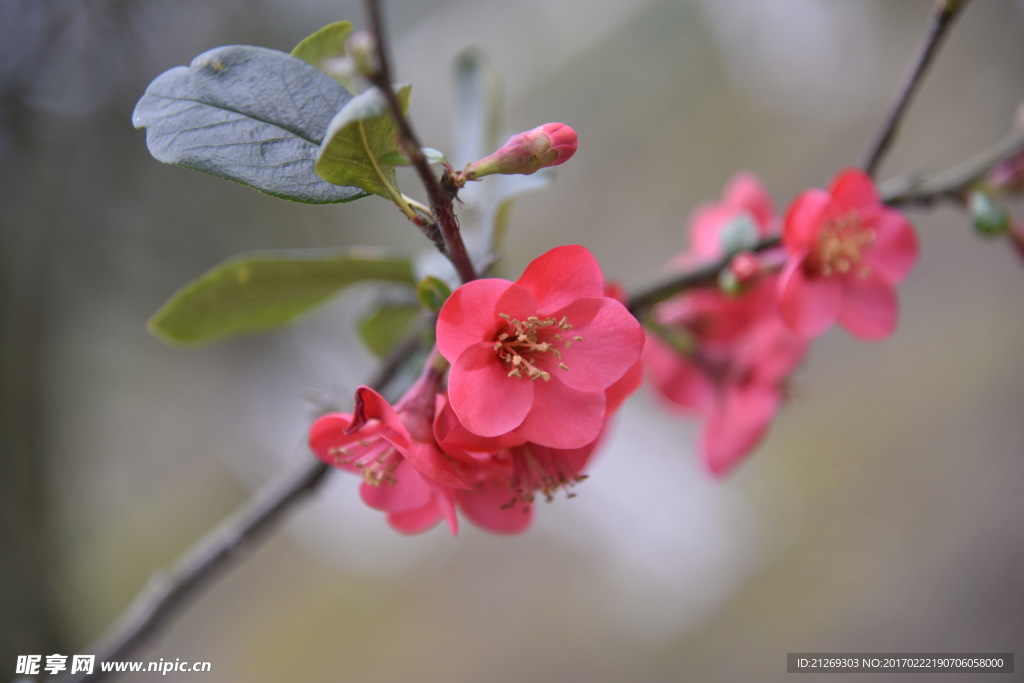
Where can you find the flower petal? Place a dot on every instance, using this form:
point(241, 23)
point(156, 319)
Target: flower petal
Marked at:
point(618, 392)
point(895, 249)
point(804, 220)
point(870, 309)
point(329, 434)
point(433, 466)
point(562, 417)
point(854, 190)
point(737, 426)
point(612, 341)
point(459, 442)
point(470, 315)
point(705, 234)
point(486, 400)
point(372, 406)
point(416, 521)
point(560, 276)
point(809, 305)
point(677, 378)
point(770, 352)
point(746, 192)
point(488, 507)
point(409, 491)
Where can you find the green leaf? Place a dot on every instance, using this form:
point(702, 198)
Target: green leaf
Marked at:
point(433, 292)
point(357, 138)
point(384, 327)
point(247, 114)
point(325, 48)
point(259, 291)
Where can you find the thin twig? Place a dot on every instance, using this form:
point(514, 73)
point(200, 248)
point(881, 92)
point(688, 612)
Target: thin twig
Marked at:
point(953, 184)
point(701, 276)
point(943, 14)
point(168, 592)
point(903, 191)
point(440, 201)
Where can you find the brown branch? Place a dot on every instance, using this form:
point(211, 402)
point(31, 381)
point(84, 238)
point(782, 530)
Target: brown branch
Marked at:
point(440, 201)
point(943, 14)
point(903, 191)
point(701, 276)
point(168, 592)
point(952, 184)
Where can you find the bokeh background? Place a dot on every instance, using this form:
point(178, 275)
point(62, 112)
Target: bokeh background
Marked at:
point(882, 514)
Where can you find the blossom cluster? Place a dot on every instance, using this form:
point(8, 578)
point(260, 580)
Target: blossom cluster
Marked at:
point(726, 356)
point(537, 367)
point(525, 375)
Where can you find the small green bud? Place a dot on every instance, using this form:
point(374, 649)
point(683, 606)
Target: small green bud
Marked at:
point(989, 216)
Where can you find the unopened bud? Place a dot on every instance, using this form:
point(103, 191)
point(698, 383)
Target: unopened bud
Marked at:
point(990, 217)
point(527, 153)
point(745, 266)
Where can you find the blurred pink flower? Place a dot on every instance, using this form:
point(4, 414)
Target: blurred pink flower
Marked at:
point(847, 252)
point(745, 206)
point(734, 373)
point(726, 357)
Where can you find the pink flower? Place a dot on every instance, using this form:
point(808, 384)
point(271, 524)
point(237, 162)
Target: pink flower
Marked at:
point(734, 373)
point(847, 254)
point(745, 206)
point(404, 472)
point(534, 357)
point(507, 473)
point(526, 153)
point(724, 357)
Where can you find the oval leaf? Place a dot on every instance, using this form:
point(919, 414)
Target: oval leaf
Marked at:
point(384, 327)
point(433, 292)
point(359, 136)
point(247, 114)
point(262, 290)
point(325, 50)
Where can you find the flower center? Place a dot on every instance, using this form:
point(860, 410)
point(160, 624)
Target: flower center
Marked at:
point(375, 457)
point(539, 470)
point(526, 343)
point(841, 246)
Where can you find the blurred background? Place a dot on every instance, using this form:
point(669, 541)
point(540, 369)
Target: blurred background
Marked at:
point(883, 513)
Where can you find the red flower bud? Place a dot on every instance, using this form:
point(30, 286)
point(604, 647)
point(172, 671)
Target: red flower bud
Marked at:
point(527, 153)
point(745, 266)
